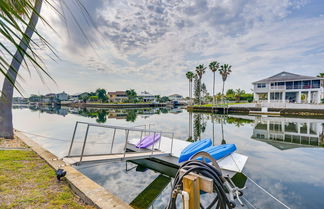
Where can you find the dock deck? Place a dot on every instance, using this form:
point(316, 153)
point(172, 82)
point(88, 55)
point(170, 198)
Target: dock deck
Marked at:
point(111, 157)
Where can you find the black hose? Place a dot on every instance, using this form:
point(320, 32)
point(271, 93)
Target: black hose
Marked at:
point(220, 201)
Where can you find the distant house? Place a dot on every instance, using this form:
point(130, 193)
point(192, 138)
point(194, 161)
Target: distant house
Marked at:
point(62, 96)
point(76, 97)
point(117, 96)
point(289, 87)
point(49, 98)
point(146, 96)
point(175, 97)
point(19, 100)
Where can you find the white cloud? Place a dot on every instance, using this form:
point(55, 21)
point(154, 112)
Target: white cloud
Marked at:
point(151, 44)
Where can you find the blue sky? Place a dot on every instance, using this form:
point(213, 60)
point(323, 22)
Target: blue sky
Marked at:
point(150, 45)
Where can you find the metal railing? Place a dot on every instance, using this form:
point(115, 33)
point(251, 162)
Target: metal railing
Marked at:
point(126, 129)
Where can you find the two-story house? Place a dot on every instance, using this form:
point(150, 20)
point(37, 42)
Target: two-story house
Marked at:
point(289, 87)
point(117, 96)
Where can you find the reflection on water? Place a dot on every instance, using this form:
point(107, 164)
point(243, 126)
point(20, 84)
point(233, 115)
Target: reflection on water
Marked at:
point(285, 154)
point(287, 133)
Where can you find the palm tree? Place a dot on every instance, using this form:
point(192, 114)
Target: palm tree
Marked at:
point(214, 66)
point(238, 93)
point(200, 70)
point(21, 7)
point(224, 70)
point(321, 75)
point(190, 75)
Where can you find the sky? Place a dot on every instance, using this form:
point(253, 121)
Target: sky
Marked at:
point(150, 45)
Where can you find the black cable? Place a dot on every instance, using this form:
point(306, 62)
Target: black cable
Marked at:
point(220, 201)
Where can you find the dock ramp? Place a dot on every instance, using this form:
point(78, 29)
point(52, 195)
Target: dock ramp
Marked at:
point(102, 147)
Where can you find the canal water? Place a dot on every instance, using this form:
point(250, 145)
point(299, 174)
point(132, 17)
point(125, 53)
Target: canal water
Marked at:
point(285, 154)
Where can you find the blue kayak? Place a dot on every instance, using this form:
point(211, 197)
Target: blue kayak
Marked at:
point(220, 151)
point(193, 148)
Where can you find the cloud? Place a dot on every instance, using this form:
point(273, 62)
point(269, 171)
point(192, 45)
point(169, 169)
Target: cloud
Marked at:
point(151, 44)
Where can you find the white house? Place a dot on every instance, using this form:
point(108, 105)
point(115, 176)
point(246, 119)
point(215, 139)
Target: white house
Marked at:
point(62, 96)
point(175, 97)
point(146, 96)
point(289, 87)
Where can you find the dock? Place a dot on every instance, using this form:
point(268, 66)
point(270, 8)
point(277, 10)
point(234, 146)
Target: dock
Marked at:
point(166, 151)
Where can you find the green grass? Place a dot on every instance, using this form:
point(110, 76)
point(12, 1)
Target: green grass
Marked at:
point(26, 181)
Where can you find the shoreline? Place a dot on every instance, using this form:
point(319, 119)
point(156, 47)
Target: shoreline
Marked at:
point(246, 110)
point(109, 105)
point(89, 191)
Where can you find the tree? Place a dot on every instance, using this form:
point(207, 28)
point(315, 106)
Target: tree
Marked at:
point(131, 95)
point(321, 75)
point(238, 94)
point(197, 89)
point(230, 92)
point(224, 70)
point(200, 70)
point(131, 115)
point(163, 99)
point(204, 90)
point(214, 66)
point(102, 95)
point(101, 116)
point(9, 11)
point(190, 75)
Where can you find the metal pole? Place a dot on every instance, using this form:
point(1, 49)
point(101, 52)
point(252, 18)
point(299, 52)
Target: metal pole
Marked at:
point(141, 135)
point(112, 142)
point(84, 143)
point(160, 141)
point(127, 132)
point(75, 127)
point(153, 143)
point(172, 143)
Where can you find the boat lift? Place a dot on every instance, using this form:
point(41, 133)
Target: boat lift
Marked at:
point(129, 151)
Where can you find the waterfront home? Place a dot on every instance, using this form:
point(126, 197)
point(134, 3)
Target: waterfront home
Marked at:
point(62, 96)
point(147, 97)
point(117, 96)
point(287, 133)
point(49, 98)
point(19, 100)
point(289, 87)
point(175, 97)
point(76, 97)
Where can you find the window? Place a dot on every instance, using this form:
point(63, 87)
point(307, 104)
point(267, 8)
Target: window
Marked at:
point(297, 84)
point(316, 84)
point(261, 85)
point(289, 85)
point(275, 95)
point(306, 85)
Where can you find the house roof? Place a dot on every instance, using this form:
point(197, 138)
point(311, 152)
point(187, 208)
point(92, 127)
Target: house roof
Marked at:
point(117, 92)
point(175, 95)
point(286, 76)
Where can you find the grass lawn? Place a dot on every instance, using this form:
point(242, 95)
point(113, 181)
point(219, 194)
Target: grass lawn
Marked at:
point(27, 181)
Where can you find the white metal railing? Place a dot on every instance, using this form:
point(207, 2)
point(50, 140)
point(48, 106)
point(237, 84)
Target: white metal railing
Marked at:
point(126, 129)
point(278, 87)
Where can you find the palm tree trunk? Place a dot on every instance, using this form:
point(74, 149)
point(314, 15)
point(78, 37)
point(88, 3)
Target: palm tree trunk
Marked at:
point(6, 126)
point(191, 92)
point(199, 91)
point(222, 126)
point(223, 92)
point(214, 88)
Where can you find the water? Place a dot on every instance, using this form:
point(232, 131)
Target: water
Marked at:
point(285, 154)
